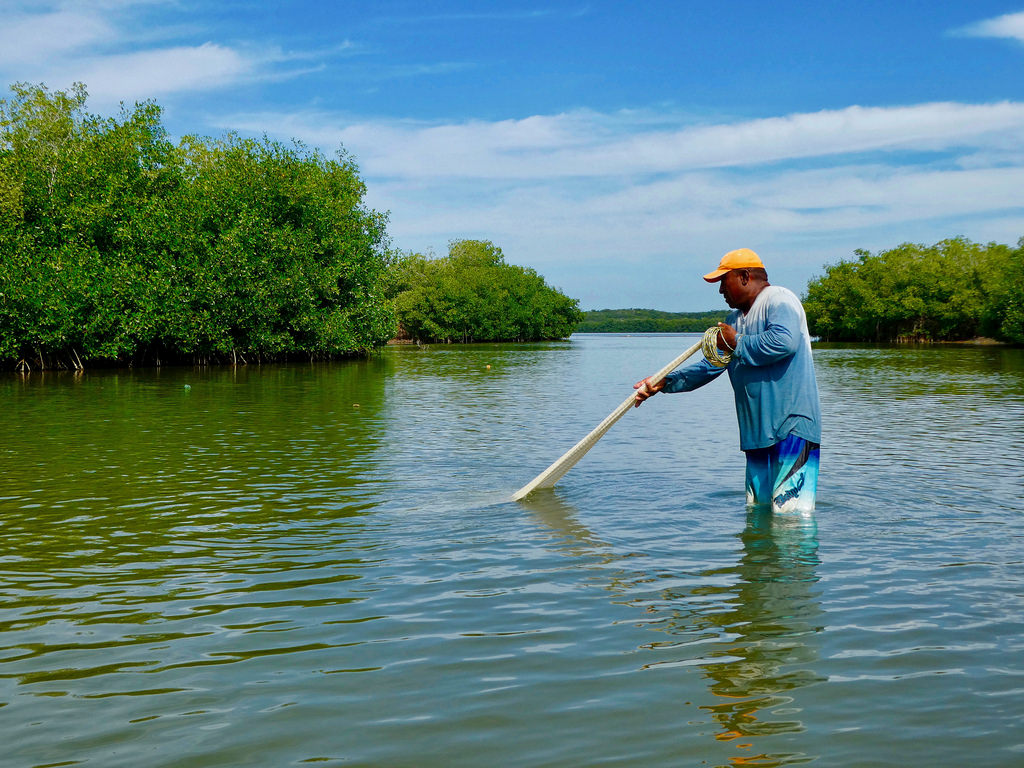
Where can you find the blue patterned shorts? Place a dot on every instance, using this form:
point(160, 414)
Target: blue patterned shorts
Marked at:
point(784, 476)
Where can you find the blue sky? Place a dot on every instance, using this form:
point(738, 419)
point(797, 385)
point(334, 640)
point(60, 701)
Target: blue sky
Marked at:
point(618, 148)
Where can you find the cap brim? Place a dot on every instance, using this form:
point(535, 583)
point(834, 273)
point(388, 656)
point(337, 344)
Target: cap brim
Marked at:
point(714, 277)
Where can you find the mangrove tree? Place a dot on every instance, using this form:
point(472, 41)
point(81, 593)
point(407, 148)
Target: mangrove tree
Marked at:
point(953, 290)
point(472, 294)
point(118, 245)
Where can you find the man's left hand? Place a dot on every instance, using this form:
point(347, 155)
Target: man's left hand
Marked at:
point(726, 337)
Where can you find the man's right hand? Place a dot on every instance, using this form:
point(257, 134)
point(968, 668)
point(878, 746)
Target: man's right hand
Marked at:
point(644, 389)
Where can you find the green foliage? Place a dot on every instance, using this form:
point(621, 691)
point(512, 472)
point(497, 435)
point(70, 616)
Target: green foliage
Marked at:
point(473, 295)
point(648, 321)
point(952, 290)
point(117, 245)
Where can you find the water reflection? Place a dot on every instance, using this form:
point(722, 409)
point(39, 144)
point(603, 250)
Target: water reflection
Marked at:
point(170, 528)
point(772, 613)
point(562, 518)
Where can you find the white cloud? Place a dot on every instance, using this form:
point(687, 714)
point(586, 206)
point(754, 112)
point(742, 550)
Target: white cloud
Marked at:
point(1010, 25)
point(654, 218)
point(146, 74)
point(34, 39)
point(121, 57)
point(586, 144)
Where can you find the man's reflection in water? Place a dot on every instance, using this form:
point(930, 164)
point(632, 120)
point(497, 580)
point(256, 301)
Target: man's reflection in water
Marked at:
point(750, 627)
point(771, 615)
point(759, 616)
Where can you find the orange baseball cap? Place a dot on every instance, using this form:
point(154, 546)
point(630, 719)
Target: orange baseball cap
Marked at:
point(741, 258)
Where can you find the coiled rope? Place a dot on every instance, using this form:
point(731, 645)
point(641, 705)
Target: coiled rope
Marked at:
point(709, 346)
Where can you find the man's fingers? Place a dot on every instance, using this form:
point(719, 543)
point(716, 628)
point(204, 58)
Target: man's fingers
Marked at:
point(644, 389)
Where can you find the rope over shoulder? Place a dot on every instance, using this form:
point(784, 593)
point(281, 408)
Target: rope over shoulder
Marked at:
point(709, 346)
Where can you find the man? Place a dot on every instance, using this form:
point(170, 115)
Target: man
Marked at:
point(773, 382)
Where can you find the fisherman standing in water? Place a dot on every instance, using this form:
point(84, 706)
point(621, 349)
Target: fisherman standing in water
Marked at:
point(772, 375)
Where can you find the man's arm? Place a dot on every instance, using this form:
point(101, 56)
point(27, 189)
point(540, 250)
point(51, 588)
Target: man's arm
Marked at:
point(682, 380)
point(780, 338)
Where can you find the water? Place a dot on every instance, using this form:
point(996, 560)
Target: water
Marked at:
point(295, 565)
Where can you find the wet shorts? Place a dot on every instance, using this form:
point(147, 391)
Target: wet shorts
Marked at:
point(784, 476)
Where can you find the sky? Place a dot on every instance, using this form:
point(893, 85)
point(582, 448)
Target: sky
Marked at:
point(618, 148)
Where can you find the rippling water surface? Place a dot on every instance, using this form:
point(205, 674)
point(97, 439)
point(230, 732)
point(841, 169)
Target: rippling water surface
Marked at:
point(319, 565)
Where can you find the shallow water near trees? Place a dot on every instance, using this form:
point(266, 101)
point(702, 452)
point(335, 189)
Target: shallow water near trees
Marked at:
point(295, 565)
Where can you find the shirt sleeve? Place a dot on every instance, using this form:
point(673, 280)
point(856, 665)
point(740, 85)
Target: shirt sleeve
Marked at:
point(692, 376)
point(779, 339)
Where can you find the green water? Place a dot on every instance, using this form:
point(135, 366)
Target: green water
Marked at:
point(294, 565)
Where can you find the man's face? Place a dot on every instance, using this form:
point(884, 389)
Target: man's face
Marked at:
point(733, 287)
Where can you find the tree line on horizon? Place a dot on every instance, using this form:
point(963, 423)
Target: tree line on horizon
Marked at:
point(648, 321)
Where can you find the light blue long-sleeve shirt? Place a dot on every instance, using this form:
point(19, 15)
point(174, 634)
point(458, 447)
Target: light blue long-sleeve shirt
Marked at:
point(772, 372)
